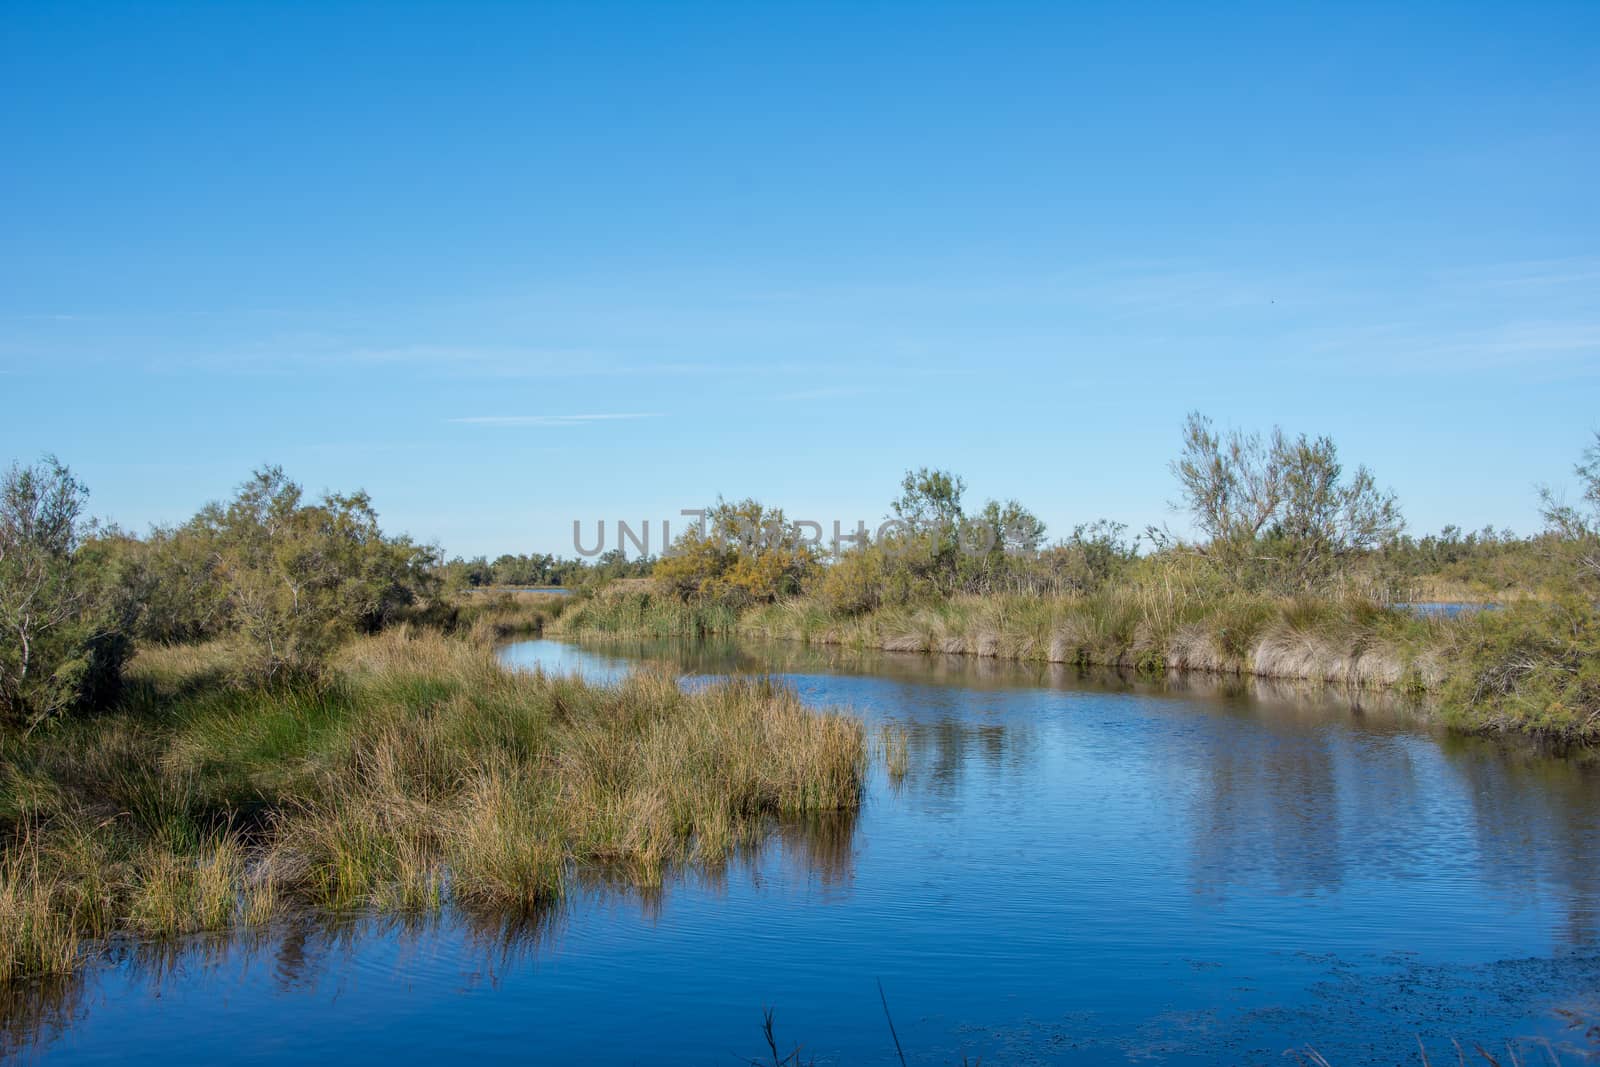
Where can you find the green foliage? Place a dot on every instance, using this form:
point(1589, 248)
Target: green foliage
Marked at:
point(1582, 520)
point(286, 579)
point(932, 548)
point(165, 585)
point(1094, 555)
point(1279, 513)
point(929, 499)
point(536, 570)
point(742, 554)
point(1578, 525)
point(856, 582)
point(1533, 667)
point(493, 615)
point(924, 541)
point(634, 612)
point(299, 578)
point(60, 646)
point(1479, 565)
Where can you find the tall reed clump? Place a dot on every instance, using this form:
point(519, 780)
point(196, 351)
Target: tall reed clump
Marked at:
point(39, 930)
point(417, 772)
point(894, 741)
point(645, 613)
point(496, 615)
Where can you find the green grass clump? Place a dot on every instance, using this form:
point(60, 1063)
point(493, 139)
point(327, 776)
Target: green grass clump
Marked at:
point(416, 772)
point(1533, 667)
point(495, 615)
point(643, 613)
point(40, 931)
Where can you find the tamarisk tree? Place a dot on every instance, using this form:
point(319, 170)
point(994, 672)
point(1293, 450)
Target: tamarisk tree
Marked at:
point(1278, 510)
point(54, 652)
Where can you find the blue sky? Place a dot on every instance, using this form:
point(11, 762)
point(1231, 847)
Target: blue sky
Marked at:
point(791, 250)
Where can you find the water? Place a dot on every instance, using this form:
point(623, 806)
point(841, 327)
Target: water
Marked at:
point(1074, 871)
point(1446, 609)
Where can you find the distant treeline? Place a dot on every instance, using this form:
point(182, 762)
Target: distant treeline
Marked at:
point(285, 579)
point(1294, 573)
point(1276, 515)
point(541, 569)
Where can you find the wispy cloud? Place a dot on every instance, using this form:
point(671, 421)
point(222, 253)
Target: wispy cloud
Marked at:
point(1551, 350)
point(828, 392)
point(1542, 274)
point(554, 420)
point(1520, 343)
point(512, 362)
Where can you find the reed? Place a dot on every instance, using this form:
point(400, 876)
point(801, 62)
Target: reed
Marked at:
point(417, 773)
point(1344, 641)
point(39, 932)
point(495, 615)
point(642, 613)
point(894, 743)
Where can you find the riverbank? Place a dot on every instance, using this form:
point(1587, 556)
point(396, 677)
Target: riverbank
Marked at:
point(418, 772)
point(1533, 667)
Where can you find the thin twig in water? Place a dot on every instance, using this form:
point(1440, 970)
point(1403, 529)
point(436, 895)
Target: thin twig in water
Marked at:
point(898, 1050)
point(769, 1031)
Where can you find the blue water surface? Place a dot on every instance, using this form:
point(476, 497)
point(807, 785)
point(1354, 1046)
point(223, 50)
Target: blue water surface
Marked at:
point(1074, 870)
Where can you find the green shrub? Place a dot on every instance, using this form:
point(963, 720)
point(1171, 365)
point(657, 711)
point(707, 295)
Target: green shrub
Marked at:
point(745, 554)
point(61, 642)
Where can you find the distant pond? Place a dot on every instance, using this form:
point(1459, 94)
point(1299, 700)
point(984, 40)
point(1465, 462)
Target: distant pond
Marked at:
point(1445, 608)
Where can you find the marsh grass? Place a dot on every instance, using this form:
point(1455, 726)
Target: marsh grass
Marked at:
point(894, 744)
point(1532, 667)
point(39, 928)
point(635, 612)
point(495, 615)
point(1345, 641)
point(417, 773)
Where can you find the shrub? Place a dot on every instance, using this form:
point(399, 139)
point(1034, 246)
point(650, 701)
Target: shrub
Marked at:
point(297, 579)
point(61, 648)
point(855, 582)
point(743, 554)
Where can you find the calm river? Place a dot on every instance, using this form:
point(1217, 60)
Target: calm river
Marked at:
point(1074, 870)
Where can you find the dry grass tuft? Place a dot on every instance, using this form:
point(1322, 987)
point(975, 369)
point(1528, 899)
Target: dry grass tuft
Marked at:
point(894, 743)
point(418, 772)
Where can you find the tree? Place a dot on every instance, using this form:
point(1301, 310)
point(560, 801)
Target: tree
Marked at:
point(926, 549)
point(1582, 520)
point(996, 545)
point(1014, 529)
point(1095, 553)
point(1279, 510)
point(744, 553)
point(54, 653)
point(929, 500)
point(1579, 523)
point(298, 578)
